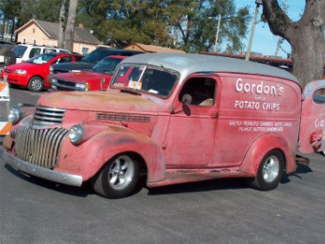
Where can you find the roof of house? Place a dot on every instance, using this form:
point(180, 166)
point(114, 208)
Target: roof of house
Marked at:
point(51, 29)
point(152, 48)
point(187, 64)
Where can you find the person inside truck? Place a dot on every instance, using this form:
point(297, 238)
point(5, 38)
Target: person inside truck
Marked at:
point(200, 91)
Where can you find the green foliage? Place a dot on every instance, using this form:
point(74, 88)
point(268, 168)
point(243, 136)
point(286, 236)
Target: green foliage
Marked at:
point(187, 24)
point(28, 9)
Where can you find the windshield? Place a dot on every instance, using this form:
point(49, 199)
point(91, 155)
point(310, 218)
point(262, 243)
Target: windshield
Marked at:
point(41, 59)
point(96, 55)
point(154, 80)
point(106, 65)
point(19, 51)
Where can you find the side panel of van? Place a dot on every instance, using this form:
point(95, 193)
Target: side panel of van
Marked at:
point(251, 107)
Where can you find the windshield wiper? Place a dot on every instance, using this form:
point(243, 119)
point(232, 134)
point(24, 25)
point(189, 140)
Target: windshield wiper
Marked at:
point(131, 92)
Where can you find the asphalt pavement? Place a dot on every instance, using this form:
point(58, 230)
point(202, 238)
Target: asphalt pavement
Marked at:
point(219, 211)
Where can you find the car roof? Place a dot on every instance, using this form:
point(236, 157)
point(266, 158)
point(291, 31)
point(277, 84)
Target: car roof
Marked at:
point(187, 64)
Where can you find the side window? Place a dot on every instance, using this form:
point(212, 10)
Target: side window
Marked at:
point(319, 96)
point(34, 52)
point(65, 59)
point(48, 50)
point(199, 92)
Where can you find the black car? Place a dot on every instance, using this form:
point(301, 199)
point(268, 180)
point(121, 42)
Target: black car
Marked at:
point(87, 62)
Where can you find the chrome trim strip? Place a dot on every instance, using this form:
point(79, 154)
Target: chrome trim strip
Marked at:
point(48, 174)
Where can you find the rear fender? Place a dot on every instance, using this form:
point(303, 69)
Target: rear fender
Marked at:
point(261, 147)
point(90, 156)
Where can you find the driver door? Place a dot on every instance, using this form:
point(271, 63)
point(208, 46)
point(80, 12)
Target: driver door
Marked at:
point(191, 131)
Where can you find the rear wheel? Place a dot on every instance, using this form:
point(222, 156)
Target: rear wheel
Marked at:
point(35, 84)
point(270, 171)
point(118, 178)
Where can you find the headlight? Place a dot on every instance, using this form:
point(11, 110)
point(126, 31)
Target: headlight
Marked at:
point(14, 115)
point(76, 134)
point(83, 86)
point(20, 71)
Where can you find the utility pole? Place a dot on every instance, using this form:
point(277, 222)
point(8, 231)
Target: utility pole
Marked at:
point(251, 36)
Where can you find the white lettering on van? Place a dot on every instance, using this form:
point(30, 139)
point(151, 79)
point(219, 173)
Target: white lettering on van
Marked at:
point(260, 88)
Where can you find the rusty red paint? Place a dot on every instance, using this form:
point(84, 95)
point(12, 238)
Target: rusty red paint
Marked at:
point(250, 116)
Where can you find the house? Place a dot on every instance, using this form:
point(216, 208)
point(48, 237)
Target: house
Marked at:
point(151, 48)
point(39, 32)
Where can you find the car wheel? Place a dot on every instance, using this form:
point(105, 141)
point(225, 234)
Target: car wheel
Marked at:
point(118, 178)
point(35, 84)
point(270, 171)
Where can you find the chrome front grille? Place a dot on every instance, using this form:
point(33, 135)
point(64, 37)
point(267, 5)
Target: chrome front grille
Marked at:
point(45, 116)
point(39, 146)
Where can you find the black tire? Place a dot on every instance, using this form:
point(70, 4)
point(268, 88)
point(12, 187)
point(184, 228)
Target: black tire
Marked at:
point(126, 180)
point(270, 171)
point(36, 84)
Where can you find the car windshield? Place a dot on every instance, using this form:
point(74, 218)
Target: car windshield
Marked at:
point(106, 65)
point(96, 55)
point(19, 51)
point(150, 79)
point(41, 59)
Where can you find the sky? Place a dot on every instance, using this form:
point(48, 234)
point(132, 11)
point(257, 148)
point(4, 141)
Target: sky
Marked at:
point(264, 41)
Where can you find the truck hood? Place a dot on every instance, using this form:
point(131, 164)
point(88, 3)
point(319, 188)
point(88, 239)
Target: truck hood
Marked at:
point(99, 101)
point(83, 76)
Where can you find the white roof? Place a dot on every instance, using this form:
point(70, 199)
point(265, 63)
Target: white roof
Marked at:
point(187, 64)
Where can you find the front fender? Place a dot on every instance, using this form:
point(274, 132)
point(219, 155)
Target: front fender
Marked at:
point(261, 147)
point(89, 157)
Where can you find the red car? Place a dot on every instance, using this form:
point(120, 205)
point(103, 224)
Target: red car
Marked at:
point(98, 78)
point(34, 72)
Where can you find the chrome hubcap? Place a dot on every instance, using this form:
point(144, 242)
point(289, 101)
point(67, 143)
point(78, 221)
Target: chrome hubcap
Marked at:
point(36, 84)
point(271, 169)
point(121, 172)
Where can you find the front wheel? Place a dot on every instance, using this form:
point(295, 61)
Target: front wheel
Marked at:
point(270, 171)
point(118, 178)
point(35, 84)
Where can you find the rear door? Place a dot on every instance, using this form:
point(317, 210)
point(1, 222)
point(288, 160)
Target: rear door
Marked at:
point(312, 124)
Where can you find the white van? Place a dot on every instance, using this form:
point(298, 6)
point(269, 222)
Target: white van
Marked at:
point(25, 52)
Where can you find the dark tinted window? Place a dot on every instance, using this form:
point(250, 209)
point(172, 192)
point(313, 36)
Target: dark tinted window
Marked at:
point(106, 65)
point(34, 52)
point(101, 53)
point(65, 59)
point(19, 51)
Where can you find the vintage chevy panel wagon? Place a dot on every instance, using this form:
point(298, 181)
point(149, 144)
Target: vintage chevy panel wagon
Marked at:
point(167, 119)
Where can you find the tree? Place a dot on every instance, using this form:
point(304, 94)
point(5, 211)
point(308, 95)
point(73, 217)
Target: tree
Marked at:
point(196, 21)
point(187, 24)
point(70, 27)
point(306, 36)
point(62, 22)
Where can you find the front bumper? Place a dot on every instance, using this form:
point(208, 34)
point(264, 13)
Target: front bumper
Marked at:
point(48, 174)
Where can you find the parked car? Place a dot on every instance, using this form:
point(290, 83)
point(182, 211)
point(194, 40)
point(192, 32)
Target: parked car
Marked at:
point(87, 62)
point(98, 78)
point(7, 56)
point(33, 73)
point(169, 119)
point(25, 52)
